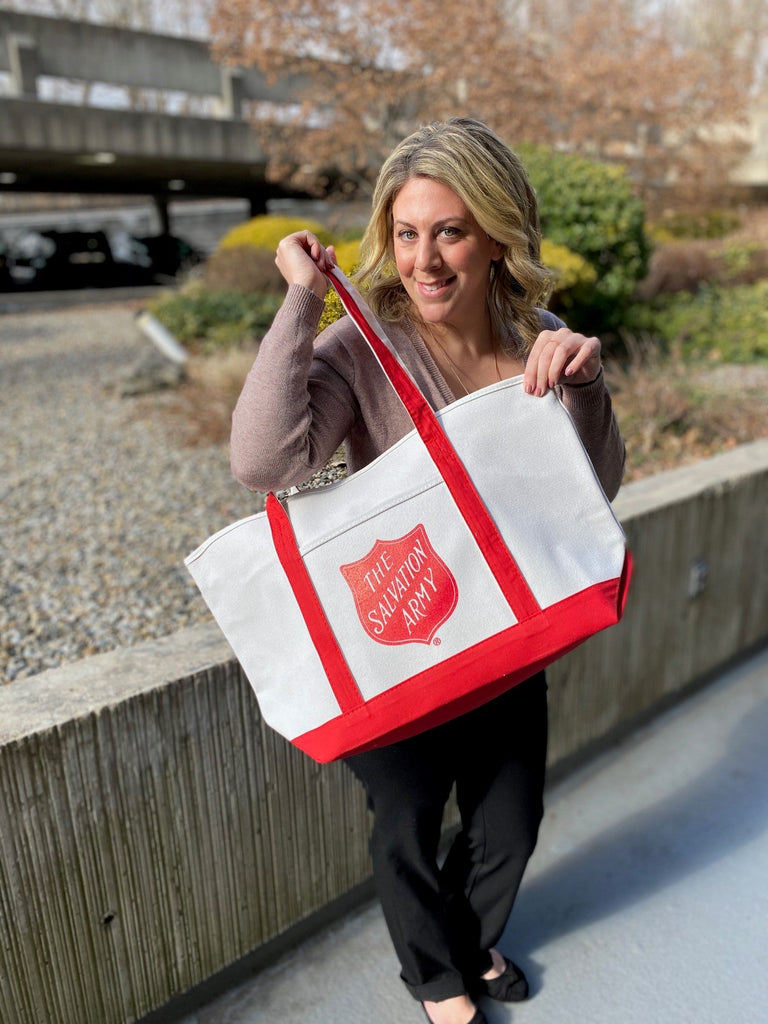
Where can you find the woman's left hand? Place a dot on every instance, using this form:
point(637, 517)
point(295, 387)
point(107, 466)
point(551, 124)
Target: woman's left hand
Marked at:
point(561, 357)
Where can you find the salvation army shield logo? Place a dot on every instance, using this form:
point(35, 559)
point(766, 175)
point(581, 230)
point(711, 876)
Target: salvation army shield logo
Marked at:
point(403, 590)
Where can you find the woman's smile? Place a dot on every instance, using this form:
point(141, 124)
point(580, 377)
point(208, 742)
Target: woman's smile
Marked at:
point(433, 288)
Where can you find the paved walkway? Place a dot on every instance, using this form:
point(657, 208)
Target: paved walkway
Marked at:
point(646, 901)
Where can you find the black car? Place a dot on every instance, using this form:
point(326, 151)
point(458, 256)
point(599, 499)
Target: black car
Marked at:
point(55, 260)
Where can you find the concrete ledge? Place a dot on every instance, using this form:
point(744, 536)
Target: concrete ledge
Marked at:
point(663, 489)
point(91, 686)
point(153, 832)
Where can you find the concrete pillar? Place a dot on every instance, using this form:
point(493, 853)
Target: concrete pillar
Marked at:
point(24, 64)
point(232, 93)
point(161, 206)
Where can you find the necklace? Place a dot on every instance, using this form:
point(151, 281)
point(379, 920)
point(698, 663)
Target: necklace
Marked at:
point(461, 377)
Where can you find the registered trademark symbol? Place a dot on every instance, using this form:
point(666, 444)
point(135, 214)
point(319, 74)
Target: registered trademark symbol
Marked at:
point(437, 641)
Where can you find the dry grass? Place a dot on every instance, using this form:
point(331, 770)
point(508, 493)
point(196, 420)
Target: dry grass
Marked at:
point(199, 411)
point(672, 413)
point(243, 269)
point(686, 266)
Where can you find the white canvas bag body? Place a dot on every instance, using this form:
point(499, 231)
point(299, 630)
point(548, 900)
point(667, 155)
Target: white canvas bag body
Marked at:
point(468, 556)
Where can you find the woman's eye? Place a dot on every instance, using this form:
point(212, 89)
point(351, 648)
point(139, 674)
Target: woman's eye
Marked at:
point(406, 235)
point(449, 231)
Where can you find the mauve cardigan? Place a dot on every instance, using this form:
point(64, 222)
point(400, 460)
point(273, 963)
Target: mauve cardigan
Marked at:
point(304, 396)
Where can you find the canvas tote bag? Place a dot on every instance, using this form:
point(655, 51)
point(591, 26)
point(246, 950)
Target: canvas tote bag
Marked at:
point(468, 556)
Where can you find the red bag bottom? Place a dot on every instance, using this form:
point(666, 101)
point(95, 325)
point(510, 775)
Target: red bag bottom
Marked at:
point(457, 685)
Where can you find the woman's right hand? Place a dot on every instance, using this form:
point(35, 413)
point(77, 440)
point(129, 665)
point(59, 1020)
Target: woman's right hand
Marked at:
point(301, 259)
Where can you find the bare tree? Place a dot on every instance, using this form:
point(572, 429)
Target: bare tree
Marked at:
point(595, 76)
point(630, 91)
point(740, 25)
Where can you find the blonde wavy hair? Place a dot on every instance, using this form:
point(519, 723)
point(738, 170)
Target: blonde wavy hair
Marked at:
point(470, 159)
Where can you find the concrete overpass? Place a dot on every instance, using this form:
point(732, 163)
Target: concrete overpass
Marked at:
point(48, 146)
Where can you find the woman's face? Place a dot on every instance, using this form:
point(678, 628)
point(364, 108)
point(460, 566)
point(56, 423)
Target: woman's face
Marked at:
point(443, 256)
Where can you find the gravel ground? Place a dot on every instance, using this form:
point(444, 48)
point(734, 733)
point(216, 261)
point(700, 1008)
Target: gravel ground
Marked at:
point(99, 501)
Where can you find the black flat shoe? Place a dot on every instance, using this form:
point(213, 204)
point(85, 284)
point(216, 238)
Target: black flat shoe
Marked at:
point(509, 987)
point(479, 1017)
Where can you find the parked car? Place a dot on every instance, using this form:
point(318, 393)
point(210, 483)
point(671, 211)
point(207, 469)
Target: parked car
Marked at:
point(54, 260)
point(168, 255)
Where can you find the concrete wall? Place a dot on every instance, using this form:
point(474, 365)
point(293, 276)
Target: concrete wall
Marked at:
point(36, 45)
point(54, 147)
point(753, 170)
point(54, 127)
point(153, 831)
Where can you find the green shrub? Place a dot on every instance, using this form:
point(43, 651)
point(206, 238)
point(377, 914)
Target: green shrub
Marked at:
point(716, 323)
point(742, 263)
point(591, 208)
point(266, 231)
point(204, 320)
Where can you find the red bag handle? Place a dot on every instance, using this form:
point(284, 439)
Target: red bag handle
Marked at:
point(463, 491)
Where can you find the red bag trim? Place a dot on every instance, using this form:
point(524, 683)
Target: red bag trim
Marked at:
point(336, 669)
point(458, 685)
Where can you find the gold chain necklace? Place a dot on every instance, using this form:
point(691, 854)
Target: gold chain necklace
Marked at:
point(456, 372)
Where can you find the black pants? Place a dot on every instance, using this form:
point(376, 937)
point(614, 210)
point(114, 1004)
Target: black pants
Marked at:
point(443, 920)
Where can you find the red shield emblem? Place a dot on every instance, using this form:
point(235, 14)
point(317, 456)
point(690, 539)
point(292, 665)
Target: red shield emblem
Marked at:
point(403, 590)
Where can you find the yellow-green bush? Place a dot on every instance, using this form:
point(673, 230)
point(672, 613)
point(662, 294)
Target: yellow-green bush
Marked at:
point(266, 231)
point(348, 255)
point(332, 311)
point(571, 270)
point(724, 324)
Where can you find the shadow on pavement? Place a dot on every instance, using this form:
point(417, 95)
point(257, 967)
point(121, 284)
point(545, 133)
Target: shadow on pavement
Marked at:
point(722, 810)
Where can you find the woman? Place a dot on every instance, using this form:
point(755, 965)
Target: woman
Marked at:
point(451, 264)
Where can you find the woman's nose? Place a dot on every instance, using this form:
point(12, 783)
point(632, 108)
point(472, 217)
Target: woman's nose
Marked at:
point(427, 254)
